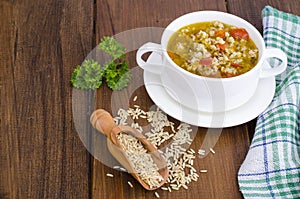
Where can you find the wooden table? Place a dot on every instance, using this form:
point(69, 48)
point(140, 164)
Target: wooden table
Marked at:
point(42, 155)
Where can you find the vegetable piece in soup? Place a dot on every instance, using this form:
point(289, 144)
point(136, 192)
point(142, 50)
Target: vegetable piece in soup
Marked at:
point(213, 49)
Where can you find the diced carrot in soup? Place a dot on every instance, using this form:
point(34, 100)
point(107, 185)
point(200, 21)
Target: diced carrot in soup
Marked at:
point(239, 33)
point(235, 65)
point(222, 46)
point(220, 33)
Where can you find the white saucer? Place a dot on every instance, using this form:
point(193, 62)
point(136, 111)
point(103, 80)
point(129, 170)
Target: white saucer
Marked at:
point(248, 111)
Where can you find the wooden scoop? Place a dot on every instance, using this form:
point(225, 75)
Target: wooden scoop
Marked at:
point(103, 122)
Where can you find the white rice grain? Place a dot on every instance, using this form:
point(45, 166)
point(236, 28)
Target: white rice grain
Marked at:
point(135, 98)
point(123, 169)
point(201, 152)
point(130, 184)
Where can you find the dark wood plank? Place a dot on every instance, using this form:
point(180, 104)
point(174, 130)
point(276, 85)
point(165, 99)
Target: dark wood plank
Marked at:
point(251, 10)
point(41, 154)
point(7, 145)
point(114, 17)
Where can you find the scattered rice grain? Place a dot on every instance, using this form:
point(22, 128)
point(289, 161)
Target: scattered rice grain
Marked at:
point(156, 194)
point(191, 151)
point(123, 169)
point(184, 186)
point(135, 98)
point(109, 175)
point(203, 171)
point(201, 152)
point(211, 150)
point(130, 184)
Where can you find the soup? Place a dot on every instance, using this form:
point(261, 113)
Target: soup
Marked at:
point(213, 49)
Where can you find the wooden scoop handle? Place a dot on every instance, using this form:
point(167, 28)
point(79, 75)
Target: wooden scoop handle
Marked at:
point(103, 122)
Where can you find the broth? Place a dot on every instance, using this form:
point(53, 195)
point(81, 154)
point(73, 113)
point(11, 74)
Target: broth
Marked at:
point(213, 49)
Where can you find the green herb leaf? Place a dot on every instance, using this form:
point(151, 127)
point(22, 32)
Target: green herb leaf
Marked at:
point(117, 75)
point(88, 75)
point(112, 47)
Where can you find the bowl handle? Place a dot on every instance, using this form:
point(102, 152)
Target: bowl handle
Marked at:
point(274, 53)
point(151, 67)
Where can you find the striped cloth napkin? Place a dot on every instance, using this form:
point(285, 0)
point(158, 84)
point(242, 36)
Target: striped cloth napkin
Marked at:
point(272, 166)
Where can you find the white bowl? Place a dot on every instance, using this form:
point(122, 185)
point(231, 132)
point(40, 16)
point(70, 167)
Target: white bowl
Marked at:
point(205, 93)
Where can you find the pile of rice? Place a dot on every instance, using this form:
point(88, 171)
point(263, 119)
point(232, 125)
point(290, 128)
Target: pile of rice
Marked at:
point(142, 161)
point(172, 142)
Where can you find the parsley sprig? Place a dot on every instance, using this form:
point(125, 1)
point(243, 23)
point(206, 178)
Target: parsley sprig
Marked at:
point(88, 75)
point(112, 47)
point(116, 72)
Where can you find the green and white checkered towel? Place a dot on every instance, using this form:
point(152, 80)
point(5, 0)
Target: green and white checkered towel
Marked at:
point(272, 166)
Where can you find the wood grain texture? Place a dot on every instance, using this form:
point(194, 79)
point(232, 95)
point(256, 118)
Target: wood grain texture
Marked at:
point(251, 10)
point(45, 135)
point(41, 154)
